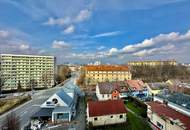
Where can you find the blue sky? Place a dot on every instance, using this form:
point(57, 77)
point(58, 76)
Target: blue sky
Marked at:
point(81, 31)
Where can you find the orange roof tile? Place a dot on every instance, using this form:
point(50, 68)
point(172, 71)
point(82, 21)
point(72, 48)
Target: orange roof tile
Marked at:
point(106, 68)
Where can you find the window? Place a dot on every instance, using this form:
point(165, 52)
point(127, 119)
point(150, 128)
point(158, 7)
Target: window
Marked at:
point(159, 125)
point(95, 118)
point(111, 116)
point(55, 101)
point(121, 116)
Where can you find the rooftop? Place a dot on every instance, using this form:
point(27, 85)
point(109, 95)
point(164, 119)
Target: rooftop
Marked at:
point(109, 87)
point(109, 107)
point(158, 85)
point(169, 113)
point(107, 68)
point(136, 84)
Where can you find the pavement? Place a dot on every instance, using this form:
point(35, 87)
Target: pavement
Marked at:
point(26, 110)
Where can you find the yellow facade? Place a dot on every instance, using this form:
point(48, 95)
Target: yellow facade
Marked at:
point(92, 77)
point(152, 63)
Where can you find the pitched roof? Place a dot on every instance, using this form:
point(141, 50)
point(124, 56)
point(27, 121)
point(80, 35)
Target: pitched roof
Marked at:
point(136, 84)
point(65, 97)
point(101, 108)
point(109, 87)
point(107, 68)
point(163, 110)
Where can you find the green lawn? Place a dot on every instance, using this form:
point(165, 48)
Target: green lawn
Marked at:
point(138, 110)
point(135, 123)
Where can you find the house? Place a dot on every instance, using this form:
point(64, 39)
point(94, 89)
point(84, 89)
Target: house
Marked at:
point(176, 85)
point(102, 73)
point(100, 113)
point(166, 118)
point(138, 88)
point(60, 107)
point(156, 88)
point(111, 90)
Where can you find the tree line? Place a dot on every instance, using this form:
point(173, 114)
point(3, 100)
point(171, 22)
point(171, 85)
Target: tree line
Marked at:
point(160, 72)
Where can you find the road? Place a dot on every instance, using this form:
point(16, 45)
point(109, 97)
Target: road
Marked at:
point(26, 110)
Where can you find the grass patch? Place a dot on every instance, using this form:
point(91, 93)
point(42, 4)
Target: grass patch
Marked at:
point(8, 104)
point(135, 123)
point(135, 108)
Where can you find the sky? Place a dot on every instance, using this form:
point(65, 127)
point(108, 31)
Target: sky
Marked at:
point(110, 31)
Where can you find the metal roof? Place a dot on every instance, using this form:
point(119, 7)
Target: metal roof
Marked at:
point(43, 112)
point(65, 97)
point(61, 109)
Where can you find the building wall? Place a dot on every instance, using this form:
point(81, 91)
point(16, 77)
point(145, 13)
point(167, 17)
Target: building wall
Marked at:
point(102, 96)
point(28, 70)
point(154, 118)
point(152, 63)
point(107, 120)
point(93, 77)
point(152, 91)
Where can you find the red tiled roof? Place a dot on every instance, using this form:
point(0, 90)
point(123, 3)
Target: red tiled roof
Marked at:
point(135, 84)
point(107, 68)
point(163, 110)
point(100, 108)
point(109, 87)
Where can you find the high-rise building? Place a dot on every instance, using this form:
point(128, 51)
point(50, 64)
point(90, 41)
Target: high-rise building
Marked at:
point(26, 71)
point(103, 73)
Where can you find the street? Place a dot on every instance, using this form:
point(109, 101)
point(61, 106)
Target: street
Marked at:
point(26, 110)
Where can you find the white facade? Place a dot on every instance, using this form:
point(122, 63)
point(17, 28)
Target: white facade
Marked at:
point(106, 119)
point(27, 70)
point(162, 123)
point(49, 103)
point(102, 96)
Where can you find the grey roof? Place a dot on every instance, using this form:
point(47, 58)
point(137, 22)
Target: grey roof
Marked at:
point(65, 97)
point(109, 87)
point(43, 112)
point(61, 109)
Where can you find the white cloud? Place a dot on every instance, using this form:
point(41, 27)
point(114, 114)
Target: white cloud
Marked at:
point(83, 15)
point(160, 50)
point(24, 46)
point(69, 29)
point(4, 33)
point(61, 21)
point(60, 44)
point(58, 21)
point(107, 34)
point(101, 48)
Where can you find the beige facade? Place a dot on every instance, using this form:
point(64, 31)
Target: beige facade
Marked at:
point(107, 119)
point(26, 70)
point(103, 73)
point(152, 63)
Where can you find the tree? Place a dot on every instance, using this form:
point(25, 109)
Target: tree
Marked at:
point(2, 82)
point(32, 84)
point(12, 122)
point(19, 87)
point(63, 73)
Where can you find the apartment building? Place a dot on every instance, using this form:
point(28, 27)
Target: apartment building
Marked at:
point(106, 73)
point(27, 71)
point(152, 63)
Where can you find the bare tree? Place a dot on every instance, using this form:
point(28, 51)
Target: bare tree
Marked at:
point(12, 122)
point(46, 78)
